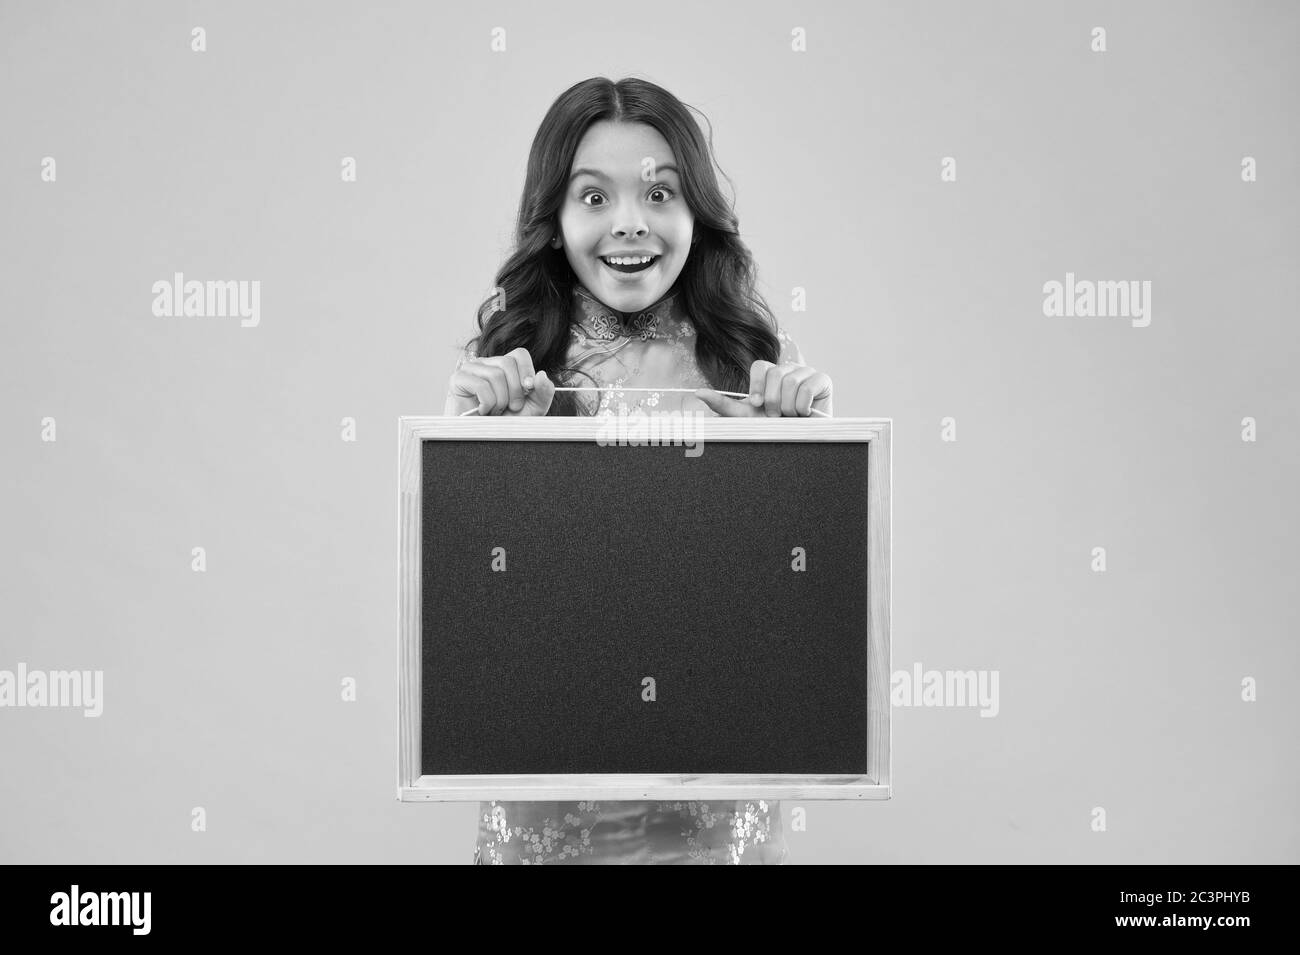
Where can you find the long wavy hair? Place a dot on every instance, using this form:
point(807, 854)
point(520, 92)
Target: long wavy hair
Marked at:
point(734, 326)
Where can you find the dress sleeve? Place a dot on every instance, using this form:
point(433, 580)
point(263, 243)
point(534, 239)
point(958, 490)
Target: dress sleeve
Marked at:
point(790, 353)
point(789, 350)
point(467, 352)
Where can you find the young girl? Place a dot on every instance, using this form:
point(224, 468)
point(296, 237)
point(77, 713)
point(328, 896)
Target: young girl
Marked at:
point(629, 279)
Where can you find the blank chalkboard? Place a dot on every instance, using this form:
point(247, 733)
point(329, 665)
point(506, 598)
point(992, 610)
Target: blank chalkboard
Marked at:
point(561, 580)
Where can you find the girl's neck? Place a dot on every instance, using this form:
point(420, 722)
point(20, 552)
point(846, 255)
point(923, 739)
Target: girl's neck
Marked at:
point(627, 317)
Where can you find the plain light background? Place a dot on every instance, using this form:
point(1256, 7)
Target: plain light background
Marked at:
point(222, 690)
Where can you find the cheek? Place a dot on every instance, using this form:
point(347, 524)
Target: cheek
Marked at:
point(572, 228)
point(679, 232)
point(576, 262)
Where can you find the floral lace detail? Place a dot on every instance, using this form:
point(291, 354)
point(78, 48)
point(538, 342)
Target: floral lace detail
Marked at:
point(605, 327)
point(646, 325)
point(789, 350)
point(467, 353)
point(606, 397)
point(601, 323)
point(724, 833)
point(750, 826)
point(551, 843)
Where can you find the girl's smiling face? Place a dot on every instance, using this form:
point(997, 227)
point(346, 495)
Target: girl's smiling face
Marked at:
point(624, 201)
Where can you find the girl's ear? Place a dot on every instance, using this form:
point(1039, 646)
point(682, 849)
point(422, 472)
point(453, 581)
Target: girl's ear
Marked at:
point(556, 241)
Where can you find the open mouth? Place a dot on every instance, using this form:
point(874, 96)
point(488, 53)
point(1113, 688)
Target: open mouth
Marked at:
point(629, 263)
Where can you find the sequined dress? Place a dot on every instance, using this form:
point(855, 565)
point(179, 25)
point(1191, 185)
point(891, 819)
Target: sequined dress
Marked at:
point(656, 347)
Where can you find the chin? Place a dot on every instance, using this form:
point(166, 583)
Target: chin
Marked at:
point(629, 295)
point(626, 300)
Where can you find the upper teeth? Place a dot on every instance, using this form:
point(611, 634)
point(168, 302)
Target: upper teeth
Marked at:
point(628, 259)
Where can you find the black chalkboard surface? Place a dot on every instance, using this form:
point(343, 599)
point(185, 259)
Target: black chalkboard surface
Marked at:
point(634, 562)
point(587, 610)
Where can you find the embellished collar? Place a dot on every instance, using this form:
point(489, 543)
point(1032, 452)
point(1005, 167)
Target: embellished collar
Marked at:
point(597, 320)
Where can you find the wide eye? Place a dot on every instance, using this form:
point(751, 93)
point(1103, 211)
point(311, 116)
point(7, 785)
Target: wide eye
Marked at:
point(590, 195)
point(661, 190)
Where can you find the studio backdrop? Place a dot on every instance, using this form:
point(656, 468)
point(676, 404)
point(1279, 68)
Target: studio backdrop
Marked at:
point(1053, 243)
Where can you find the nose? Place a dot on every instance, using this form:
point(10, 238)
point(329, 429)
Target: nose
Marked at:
point(632, 225)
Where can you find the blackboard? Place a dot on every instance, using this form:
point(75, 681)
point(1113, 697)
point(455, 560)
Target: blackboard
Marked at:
point(558, 576)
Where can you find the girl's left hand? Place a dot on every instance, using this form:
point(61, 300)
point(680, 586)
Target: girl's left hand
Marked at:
point(775, 391)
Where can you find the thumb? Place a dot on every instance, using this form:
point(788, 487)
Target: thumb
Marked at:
point(541, 392)
point(721, 404)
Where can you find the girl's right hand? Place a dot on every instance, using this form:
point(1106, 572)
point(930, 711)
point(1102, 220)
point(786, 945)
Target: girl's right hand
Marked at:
point(500, 385)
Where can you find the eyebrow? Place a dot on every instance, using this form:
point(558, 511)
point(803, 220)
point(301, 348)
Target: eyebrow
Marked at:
point(596, 173)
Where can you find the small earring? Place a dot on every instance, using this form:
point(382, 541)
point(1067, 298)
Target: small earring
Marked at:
point(555, 242)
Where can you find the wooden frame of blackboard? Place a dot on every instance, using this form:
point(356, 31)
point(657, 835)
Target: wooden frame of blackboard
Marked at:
point(413, 786)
